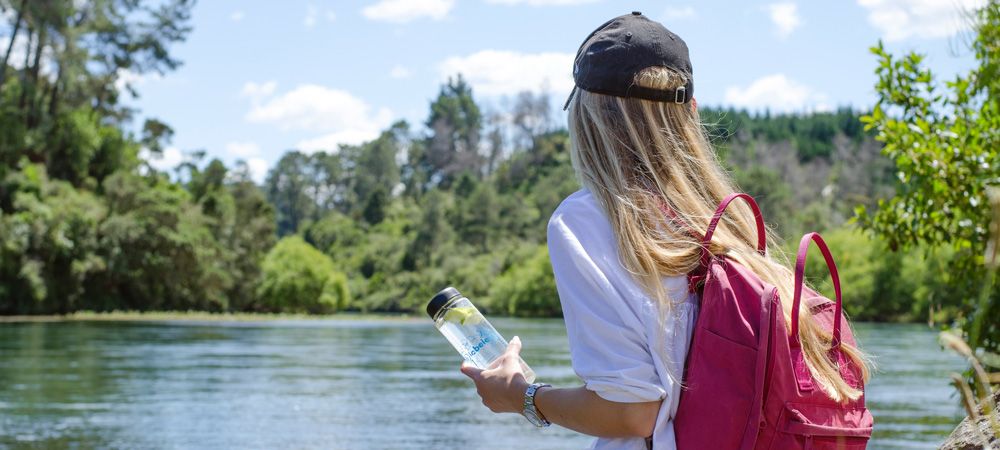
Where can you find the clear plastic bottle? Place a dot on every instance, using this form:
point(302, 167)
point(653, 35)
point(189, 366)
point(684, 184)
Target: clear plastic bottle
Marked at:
point(468, 331)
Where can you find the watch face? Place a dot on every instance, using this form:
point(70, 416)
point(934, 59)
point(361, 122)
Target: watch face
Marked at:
point(530, 415)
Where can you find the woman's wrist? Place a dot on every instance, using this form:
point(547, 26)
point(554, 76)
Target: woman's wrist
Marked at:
point(517, 391)
point(538, 408)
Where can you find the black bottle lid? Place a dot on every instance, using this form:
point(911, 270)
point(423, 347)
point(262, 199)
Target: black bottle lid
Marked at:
point(440, 299)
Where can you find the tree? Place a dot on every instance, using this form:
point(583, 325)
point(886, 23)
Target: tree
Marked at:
point(432, 230)
point(477, 216)
point(375, 206)
point(299, 278)
point(286, 187)
point(531, 117)
point(250, 235)
point(528, 288)
point(240, 219)
point(159, 249)
point(946, 149)
point(376, 173)
point(48, 245)
point(90, 50)
point(455, 122)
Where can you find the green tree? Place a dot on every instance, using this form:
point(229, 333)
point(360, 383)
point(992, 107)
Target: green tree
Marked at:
point(455, 123)
point(299, 278)
point(478, 216)
point(946, 149)
point(287, 188)
point(250, 234)
point(375, 167)
point(91, 48)
point(768, 189)
point(241, 221)
point(159, 249)
point(432, 231)
point(375, 206)
point(48, 244)
point(528, 288)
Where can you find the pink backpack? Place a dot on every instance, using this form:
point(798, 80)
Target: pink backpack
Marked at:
point(746, 383)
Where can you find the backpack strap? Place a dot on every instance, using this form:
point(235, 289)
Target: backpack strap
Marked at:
point(800, 269)
point(761, 234)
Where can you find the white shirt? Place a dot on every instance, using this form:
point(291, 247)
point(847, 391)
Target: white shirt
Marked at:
point(619, 347)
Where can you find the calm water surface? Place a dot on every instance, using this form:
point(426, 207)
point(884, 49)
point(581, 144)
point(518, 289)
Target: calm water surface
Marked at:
point(344, 384)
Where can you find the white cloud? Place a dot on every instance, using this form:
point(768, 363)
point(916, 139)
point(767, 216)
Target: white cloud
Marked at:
point(125, 77)
point(402, 11)
point(399, 72)
point(331, 142)
point(257, 91)
point(785, 16)
point(684, 13)
point(20, 48)
point(20, 44)
point(164, 162)
point(258, 169)
point(777, 93)
point(243, 150)
point(541, 2)
point(311, 13)
point(496, 72)
point(237, 16)
point(330, 16)
point(342, 117)
point(249, 153)
point(898, 20)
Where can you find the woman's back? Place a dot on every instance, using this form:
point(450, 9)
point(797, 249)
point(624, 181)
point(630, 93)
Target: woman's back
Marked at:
point(623, 346)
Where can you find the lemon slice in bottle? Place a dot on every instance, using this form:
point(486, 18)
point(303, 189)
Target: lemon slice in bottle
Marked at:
point(465, 315)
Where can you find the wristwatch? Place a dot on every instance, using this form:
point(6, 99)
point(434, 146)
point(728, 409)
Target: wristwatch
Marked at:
point(530, 412)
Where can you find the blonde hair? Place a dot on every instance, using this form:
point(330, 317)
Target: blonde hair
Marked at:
point(636, 156)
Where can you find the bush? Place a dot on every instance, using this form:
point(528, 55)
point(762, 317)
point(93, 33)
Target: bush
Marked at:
point(298, 278)
point(528, 289)
point(881, 285)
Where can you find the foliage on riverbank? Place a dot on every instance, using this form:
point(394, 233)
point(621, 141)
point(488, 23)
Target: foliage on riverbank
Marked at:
point(944, 142)
point(200, 316)
point(461, 199)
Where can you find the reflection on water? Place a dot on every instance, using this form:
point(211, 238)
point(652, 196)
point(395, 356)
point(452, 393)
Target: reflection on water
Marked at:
point(344, 384)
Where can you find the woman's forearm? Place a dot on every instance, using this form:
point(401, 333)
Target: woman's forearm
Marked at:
point(502, 389)
point(582, 410)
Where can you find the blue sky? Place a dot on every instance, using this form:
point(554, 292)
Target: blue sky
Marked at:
point(262, 77)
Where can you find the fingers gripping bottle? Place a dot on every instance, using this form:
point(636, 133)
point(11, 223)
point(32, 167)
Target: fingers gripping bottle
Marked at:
point(468, 331)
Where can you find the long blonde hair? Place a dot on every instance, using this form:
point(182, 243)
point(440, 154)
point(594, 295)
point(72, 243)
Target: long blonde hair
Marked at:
point(637, 155)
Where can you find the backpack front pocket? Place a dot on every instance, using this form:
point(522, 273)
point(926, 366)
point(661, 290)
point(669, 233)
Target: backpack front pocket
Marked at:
point(823, 427)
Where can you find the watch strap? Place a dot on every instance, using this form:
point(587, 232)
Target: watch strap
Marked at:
point(530, 410)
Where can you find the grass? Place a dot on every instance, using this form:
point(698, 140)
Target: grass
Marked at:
point(195, 316)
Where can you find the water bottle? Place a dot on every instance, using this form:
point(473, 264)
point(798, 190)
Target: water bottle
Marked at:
point(468, 331)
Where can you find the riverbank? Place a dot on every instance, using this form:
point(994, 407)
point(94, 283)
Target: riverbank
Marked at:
point(207, 316)
point(198, 316)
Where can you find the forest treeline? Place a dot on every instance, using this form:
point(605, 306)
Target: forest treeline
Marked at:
point(86, 223)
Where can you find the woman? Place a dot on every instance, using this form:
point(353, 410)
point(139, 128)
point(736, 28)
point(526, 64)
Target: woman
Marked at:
point(622, 246)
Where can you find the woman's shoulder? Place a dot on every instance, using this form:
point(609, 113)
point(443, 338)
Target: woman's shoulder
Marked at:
point(580, 224)
point(579, 209)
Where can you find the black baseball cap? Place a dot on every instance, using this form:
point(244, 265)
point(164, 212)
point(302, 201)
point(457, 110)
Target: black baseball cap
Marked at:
point(615, 52)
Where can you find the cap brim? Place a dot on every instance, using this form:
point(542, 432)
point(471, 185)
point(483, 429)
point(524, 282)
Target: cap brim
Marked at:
point(570, 98)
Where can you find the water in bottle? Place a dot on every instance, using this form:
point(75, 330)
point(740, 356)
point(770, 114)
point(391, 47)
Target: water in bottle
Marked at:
point(468, 331)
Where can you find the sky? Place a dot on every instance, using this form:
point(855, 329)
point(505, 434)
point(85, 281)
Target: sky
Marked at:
point(260, 78)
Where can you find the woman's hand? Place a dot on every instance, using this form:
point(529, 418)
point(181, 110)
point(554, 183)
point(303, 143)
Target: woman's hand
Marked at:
point(502, 385)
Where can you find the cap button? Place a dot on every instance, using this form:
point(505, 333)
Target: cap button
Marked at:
point(636, 13)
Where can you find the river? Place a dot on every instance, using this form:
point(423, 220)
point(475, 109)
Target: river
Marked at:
point(346, 384)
